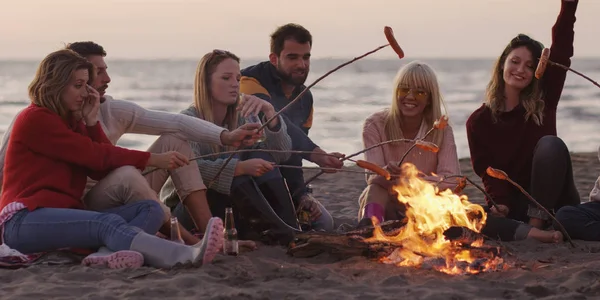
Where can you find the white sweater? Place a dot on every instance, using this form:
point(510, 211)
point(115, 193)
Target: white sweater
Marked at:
point(119, 117)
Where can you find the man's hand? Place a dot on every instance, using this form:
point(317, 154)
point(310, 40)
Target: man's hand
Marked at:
point(246, 134)
point(309, 204)
point(327, 161)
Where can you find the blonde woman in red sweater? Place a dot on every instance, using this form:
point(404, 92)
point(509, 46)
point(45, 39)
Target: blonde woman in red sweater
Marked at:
point(49, 157)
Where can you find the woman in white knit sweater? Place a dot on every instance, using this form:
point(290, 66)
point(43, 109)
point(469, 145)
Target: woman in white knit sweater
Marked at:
point(249, 181)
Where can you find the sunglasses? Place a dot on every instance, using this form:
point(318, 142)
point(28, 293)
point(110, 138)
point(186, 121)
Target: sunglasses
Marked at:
point(419, 94)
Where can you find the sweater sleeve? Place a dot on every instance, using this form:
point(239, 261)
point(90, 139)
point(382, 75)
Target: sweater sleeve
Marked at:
point(561, 52)
point(300, 140)
point(371, 136)
point(279, 140)
point(45, 133)
point(447, 159)
point(481, 159)
point(138, 120)
point(97, 134)
point(209, 167)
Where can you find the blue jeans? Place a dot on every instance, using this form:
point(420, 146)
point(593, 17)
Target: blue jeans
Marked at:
point(49, 229)
point(582, 221)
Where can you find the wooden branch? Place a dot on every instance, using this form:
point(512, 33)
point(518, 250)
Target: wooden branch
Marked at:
point(413, 146)
point(358, 153)
point(250, 150)
point(475, 185)
point(499, 174)
point(576, 72)
point(295, 100)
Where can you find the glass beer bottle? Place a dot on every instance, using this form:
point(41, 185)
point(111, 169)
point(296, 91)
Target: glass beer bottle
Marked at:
point(175, 233)
point(230, 246)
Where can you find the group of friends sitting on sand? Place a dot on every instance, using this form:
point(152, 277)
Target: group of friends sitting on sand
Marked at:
point(65, 183)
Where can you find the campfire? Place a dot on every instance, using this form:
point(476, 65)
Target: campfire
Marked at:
point(440, 232)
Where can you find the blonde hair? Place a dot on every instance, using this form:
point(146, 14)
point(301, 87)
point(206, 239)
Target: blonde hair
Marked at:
point(530, 96)
point(52, 77)
point(416, 74)
point(203, 95)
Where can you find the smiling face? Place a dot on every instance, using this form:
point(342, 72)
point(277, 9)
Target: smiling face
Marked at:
point(225, 82)
point(518, 69)
point(293, 63)
point(412, 100)
point(75, 92)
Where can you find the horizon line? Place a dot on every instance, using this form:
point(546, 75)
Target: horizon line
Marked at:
point(28, 59)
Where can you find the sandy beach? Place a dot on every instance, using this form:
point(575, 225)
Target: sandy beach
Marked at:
point(544, 271)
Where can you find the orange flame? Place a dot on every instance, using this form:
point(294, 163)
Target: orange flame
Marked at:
point(429, 213)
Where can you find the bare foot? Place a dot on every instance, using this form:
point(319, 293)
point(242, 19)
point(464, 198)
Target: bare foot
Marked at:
point(250, 245)
point(545, 236)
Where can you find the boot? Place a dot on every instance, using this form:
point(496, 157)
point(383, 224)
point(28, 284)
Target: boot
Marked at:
point(371, 210)
point(278, 195)
point(248, 193)
point(163, 253)
point(114, 260)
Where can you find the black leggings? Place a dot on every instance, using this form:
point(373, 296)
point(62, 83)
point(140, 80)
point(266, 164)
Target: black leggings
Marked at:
point(552, 183)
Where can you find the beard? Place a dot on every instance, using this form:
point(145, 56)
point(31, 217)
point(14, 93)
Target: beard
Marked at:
point(290, 79)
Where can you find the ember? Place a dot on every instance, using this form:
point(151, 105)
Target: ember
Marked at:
point(430, 213)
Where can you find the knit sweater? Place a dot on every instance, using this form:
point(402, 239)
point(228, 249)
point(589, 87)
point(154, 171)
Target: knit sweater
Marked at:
point(275, 140)
point(442, 163)
point(118, 117)
point(48, 160)
point(509, 144)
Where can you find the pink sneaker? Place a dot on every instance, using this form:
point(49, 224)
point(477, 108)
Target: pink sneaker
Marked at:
point(212, 242)
point(114, 260)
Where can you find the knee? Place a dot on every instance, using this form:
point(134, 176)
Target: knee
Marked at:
point(169, 142)
point(567, 213)
point(127, 172)
point(111, 219)
point(550, 145)
point(155, 211)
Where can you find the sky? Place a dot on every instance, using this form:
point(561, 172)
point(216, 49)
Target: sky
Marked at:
point(186, 29)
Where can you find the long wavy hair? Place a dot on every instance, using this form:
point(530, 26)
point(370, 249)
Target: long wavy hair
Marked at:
point(530, 96)
point(202, 89)
point(53, 75)
point(416, 74)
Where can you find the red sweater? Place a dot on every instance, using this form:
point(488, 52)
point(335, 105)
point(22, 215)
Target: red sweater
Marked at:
point(509, 144)
point(48, 160)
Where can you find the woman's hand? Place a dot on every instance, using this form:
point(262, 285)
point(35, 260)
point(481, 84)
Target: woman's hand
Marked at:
point(502, 210)
point(393, 168)
point(168, 160)
point(252, 105)
point(255, 167)
point(91, 106)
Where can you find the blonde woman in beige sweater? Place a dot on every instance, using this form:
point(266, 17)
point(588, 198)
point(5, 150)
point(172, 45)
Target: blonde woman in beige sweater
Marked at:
point(416, 103)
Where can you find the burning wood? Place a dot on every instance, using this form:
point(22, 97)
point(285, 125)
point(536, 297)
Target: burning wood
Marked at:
point(441, 231)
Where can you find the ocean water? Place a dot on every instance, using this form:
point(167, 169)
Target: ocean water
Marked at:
point(342, 100)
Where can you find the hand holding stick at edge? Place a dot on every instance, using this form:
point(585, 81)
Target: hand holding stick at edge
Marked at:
point(389, 35)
